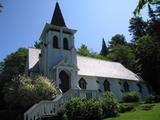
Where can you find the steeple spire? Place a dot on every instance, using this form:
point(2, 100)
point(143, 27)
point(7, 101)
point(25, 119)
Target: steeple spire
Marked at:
point(57, 18)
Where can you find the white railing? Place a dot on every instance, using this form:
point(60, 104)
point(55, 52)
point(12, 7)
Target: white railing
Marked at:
point(47, 108)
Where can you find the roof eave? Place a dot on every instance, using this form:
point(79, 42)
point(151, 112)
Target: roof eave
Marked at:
point(49, 27)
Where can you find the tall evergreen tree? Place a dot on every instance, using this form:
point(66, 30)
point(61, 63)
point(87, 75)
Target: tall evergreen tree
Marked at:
point(104, 50)
point(137, 27)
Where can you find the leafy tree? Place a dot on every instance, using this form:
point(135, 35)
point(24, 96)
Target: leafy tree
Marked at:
point(137, 27)
point(117, 40)
point(147, 46)
point(14, 64)
point(22, 92)
point(104, 50)
point(148, 52)
point(123, 54)
point(83, 50)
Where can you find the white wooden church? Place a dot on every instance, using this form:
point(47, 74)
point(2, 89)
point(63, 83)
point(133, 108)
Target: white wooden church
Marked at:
point(75, 75)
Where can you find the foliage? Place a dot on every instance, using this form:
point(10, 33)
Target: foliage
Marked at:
point(61, 115)
point(83, 50)
point(147, 45)
point(123, 54)
point(137, 27)
point(14, 64)
point(22, 92)
point(1, 67)
point(117, 40)
point(126, 107)
point(110, 106)
point(130, 97)
point(152, 99)
point(139, 114)
point(148, 52)
point(37, 44)
point(104, 51)
point(78, 109)
point(145, 48)
point(142, 4)
point(147, 106)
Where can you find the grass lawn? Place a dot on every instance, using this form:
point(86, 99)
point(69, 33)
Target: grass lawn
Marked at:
point(140, 114)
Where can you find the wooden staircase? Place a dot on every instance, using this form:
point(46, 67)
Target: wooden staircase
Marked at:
point(50, 108)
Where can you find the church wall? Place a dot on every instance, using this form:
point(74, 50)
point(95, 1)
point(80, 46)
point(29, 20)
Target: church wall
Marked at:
point(145, 91)
point(116, 86)
point(96, 83)
point(91, 82)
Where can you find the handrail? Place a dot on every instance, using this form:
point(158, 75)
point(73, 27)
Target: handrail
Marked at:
point(51, 107)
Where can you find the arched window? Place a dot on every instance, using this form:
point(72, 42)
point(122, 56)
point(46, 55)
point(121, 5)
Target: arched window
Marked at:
point(126, 87)
point(55, 42)
point(139, 88)
point(82, 83)
point(65, 44)
point(106, 85)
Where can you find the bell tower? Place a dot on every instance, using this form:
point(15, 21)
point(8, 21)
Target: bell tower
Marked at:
point(58, 59)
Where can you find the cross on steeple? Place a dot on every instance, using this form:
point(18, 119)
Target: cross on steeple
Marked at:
point(57, 18)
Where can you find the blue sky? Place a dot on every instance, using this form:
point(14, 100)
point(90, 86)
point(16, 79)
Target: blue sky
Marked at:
point(22, 21)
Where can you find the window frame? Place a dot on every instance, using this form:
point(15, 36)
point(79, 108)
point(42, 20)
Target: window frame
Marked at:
point(107, 85)
point(83, 84)
point(65, 44)
point(126, 86)
point(55, 43)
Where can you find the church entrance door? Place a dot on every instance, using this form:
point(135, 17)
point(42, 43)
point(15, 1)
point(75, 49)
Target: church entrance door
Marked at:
point(65, 81)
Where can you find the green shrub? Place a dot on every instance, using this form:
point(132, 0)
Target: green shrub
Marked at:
point(152, 99)
point(130, 97)
point(78, 109)
point(147, 106)
point(61, 115)
point(126, 107)
point(81, 109)
point(109, 105)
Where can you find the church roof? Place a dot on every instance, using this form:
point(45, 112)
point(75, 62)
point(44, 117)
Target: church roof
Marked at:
point(92, 67)
point(101, 68)
point(57, 18)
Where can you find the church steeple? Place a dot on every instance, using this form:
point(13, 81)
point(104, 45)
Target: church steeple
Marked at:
point(57, 18)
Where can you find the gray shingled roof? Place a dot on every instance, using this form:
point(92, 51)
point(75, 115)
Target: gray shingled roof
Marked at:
point(92, 67)
point(100, 68)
